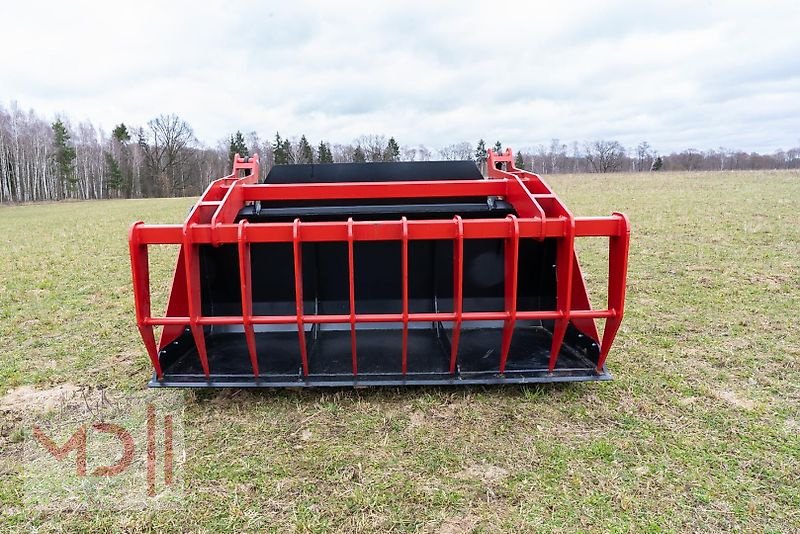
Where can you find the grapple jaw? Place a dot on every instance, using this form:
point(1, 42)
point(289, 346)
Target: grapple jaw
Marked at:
point(379, 274)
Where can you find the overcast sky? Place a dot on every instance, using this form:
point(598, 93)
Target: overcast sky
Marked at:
point(680, 74)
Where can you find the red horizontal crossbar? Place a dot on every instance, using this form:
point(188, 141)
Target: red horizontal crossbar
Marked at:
point(166, 234)
point(381, 317)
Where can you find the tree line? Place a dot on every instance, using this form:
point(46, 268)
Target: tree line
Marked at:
point(611, 156)
point(44, 160)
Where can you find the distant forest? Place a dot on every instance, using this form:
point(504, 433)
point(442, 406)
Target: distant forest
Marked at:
point(55, 160)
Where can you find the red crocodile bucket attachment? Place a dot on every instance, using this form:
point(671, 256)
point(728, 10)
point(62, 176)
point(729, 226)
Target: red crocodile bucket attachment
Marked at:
point(379, 274)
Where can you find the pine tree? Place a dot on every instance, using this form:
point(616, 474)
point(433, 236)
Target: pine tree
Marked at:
point(480, 152)
point(324, 153)
point(498, 147)
point(392, 152)
point(358, 155)
point(122, 137)
point(305, 150)
point(287, 150)
point(657, 164)
point(64, 154)
point(114, 181)
point(121, 134)
point(279, 153)
point(237, 146)
point(519, 162)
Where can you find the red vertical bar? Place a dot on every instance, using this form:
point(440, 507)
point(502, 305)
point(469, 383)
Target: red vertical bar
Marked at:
point(245, 279)
point(192, 264)
point(564, 263)
point(351, 275)
point(512, 263)
point(458, 290)
point(140, 274)
point(298, 293)
point(404, 260)
point(617, 277)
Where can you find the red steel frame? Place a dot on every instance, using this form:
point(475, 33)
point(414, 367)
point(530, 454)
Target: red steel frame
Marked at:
point(540, 215)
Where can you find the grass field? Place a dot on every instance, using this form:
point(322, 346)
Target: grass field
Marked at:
point(700, 431)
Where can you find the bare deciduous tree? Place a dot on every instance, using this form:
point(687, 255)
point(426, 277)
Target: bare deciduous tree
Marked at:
point(372, 145)
point(604, 156)
point(644, 157)
point(165, 144)
point(456, 151)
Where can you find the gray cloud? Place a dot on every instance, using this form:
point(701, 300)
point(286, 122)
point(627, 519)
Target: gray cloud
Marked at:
point(678, 74)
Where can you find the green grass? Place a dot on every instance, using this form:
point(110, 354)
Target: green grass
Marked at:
point(700, 430)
